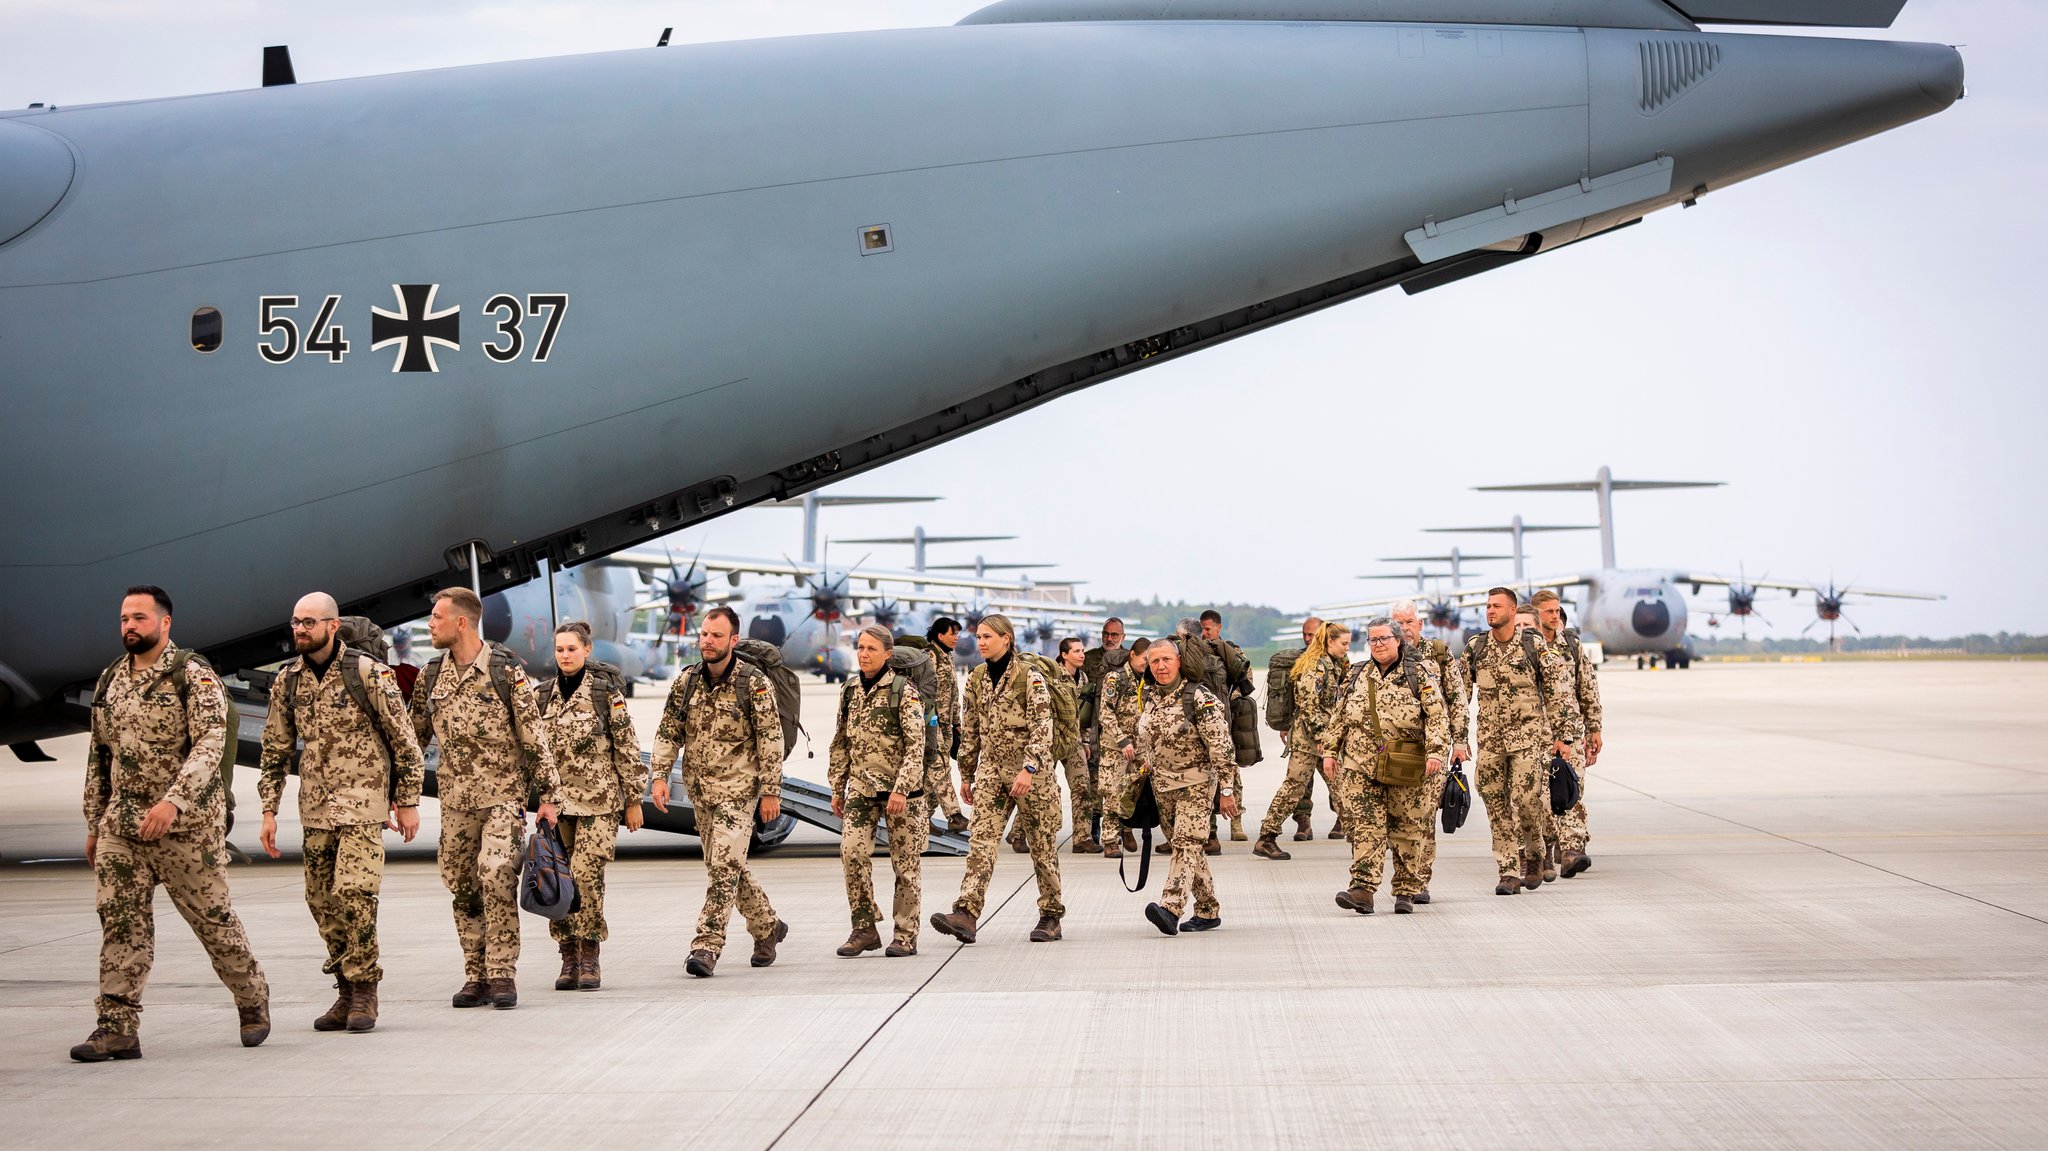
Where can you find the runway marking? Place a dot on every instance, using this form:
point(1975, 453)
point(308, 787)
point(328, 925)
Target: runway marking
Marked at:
point(1827, 850)
point(958, 947)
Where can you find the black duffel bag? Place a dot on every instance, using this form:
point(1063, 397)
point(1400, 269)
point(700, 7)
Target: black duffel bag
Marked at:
point(1564, 786)
point(1456, 803)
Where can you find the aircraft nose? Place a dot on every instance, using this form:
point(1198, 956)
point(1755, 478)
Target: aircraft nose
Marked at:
point(1941, 73)
point(1650, 619)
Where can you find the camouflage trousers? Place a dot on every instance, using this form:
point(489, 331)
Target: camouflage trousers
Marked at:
point(1188, 872)
point(1511, 785)
point(344, 871)
point(938, 781)
point(1110, 784)
point(908, 834)
point(727, 830)
point(194, 874)
point(1568, 831)
point(593, 841)
point(1082, 799)
point(1378, 817)
point(1293, 797)
point(481, 851)
point(1431, 824)
point(1038, 813)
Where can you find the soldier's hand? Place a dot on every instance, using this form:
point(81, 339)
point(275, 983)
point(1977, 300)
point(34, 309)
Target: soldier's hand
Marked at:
point(1562, 749)
point(157, 821)
point(967, 793)
point(92, 850)
point(838, 807)
point(1460, 753)
point(407, 821)
point(660, 795)
point(771, 808)
point(1434, 765)
point(1592, 748)
point(1130, 754)
point(268, 836)
point(635, 818)
point(1230, 808)
point(897, 804)
point(1020, 786)
point(547, 813)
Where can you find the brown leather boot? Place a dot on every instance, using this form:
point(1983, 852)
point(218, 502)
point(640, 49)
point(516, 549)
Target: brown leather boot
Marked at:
point(1268, 847)
point(1508, 885)
point(1113, 848)
point(504, 994)
point(589, 977)
point(1130, 840)
point(1085, 846)
point(103, 1045)
point(362, 1006)
point(254, 1023)
point(1165, 848)
point(1237, 834)
point(1212, 847)
point(1574, 863)
point(956, 821)
point(1337, 830)
point(1532, 873)
point(900, 948)
point(1017, 843)
point(1404, 905)
point(1550, 864)
point(701, 963)
point(956, 923)
point(1047, 931)
point(862, 939)
point(1303, 829)
point(471, 994)
point(1357, 899)
point(764, 947)
point(337, 1016)
point(572, 963)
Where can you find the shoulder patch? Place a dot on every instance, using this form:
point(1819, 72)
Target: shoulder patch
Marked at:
point(761, 686)
point(618, 703)
point(385, 672)
point(518, 677)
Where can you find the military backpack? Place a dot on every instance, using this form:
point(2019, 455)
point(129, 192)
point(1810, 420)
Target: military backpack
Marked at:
point(362, 633)
point(607, 683)
point(1280, 689)
point(915, 666)
point(358, 689)
point(758, 657)
point(1066, 703)
point(181, 659)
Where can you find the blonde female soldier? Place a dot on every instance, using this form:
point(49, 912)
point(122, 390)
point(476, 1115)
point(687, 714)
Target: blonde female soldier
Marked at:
point(1184, 741)
point(583, 711)
point(1318, 677)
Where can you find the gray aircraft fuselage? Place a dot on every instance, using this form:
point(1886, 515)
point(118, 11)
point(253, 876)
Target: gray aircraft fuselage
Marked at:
point(633, 290)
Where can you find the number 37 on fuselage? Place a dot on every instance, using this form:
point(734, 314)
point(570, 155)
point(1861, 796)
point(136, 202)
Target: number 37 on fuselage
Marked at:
point(415, 327)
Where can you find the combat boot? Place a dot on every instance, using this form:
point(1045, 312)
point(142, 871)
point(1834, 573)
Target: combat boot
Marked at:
point(701, 964)
point(1550, 864)
point(900, 948)
point(764, 947)
point(1130, 840)
point(1357, 899)
point(1268, 847)
point(572, 963)
point(1303, 829)
point(337, 1016)
point(1086, 846)
point(1165, 847)
point(1532, 873)
point(956, 923)
point(362, 1006)
point(1212, 847)
point(1508, 885)
point(504, 994)
point(1112, 849)
point(1574, 863)
point(1047, 931)
point(255, 1023)
point(1404, 905)
point(1422, 896)
point(471, 994)
point(956, 821)
point(1337, 830)
point(589, 976)
point(1017, 843)
point(862, 939)
point(103, 1045)
point(1237, 834)
point(1202, 923)
point(1166, 921)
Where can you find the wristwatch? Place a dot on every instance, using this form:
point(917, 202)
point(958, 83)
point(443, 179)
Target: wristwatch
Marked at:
point(1228, 791)
point(1031, 769)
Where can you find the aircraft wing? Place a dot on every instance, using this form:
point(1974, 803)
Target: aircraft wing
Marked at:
point(1708, 579)
point(1458, 597)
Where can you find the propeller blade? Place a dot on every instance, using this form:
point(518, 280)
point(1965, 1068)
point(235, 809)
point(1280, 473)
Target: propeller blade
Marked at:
point(1852, 625)
point(1809, 625)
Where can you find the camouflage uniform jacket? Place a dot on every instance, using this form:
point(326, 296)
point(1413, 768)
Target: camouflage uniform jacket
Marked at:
point(1404, 718)
point(1006, 725)
point(875, 752)
point(725, 762)
point(1123, 698)
point(600, 776)
point(347, 776)
point(1180, 754)
point(948, 702)
point(1316, 695)
point(1511, 712)
point(163, 748)
point(1585, 681)
point(1450, 673)
point(488, 758)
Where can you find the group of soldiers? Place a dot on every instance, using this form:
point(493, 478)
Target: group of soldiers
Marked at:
point(1142, 733)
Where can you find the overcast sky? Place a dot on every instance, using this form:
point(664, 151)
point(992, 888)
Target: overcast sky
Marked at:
point(1846, 343)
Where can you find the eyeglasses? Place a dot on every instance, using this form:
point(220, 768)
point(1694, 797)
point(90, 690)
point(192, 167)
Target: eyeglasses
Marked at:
point(1381, 639)
point(303, 624)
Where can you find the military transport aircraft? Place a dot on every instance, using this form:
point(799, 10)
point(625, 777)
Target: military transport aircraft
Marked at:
point(593, 299)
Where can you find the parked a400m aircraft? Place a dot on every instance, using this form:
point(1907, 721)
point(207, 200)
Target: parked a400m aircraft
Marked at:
point(718, 274)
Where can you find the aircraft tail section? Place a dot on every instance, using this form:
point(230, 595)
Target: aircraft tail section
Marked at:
point(1603, 485)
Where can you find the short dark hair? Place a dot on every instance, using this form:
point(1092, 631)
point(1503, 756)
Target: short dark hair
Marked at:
point(162, 597)
point(1118, 621)
point(1508, 592)
point(1212, 616)
point(1139, 645)
point(725, 613)
point(941, 626)
point(1070, 641)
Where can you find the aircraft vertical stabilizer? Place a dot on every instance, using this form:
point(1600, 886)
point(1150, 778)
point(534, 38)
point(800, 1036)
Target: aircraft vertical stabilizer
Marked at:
point(1604, 485)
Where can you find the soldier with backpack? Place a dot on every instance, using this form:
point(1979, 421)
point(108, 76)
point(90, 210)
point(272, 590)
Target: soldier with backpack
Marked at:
point(1280, 717)
point(1451, 675)
point(1082, 800)
point(474, 698)
point(154, 814)
point(1313, 685)
point(944, 704)
point(1183, 737)
point(1118, 704)
point(337, 712)
point(1521, 724)
point(603, 777)
point(1390, 735)
point(1013, 723)
point(724, 718)
point(1570, 829)
point(877, 775)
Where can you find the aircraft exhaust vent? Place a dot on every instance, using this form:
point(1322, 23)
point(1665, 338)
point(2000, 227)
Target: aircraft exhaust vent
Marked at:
point(1672, 66)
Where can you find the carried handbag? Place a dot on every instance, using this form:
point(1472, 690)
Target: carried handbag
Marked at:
point(545, 886)
point(1403, 763)
point(1142, 817)
point(1564, 786)
point(1456, 802)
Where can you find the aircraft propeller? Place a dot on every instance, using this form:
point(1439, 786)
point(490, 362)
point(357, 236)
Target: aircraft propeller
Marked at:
point(1827, 606)
point(683, 592)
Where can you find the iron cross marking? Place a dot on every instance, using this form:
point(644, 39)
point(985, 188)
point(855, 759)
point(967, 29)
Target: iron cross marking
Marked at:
point(416, 327)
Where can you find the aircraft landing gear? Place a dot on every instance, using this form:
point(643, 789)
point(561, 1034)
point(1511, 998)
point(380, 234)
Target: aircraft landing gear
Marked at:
point(1678, 660)
point(1639, 663)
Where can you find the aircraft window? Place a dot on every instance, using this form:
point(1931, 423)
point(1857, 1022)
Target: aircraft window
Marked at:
point(875, 239)
point(206, 325)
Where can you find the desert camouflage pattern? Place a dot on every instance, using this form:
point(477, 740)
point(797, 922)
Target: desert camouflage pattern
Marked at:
point(1121, 699)
point(600, 775)
point(1450, 672)
point(1178, 753)
point(481, 850)
point(1003, 727)
point(346, 777)
point(592, 841)
point(877, 749)
point(1184, 813)
point(1513, 785)
point(939, 786)
point(1512, 714)
point(1038, 815)
point(164, 747)
point(1084, 799)
point(1378, 816)
point(727, 830)
point(908, 835)
point(344, 873)
point(1403, 715)
point(1315, 704)
point(192, 867)
point(1569, 830)
point(728, 761)
point(488, 758)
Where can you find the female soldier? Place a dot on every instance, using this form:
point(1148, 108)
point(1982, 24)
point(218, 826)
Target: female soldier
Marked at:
point(1123, 693)
point(1006, 762)
point(584, 713)
point(1317, 676)
point(1184, 740)
point(1392, 734)
point(877, 773)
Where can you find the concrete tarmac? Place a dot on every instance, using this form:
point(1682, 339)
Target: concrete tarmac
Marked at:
point(1818, 917)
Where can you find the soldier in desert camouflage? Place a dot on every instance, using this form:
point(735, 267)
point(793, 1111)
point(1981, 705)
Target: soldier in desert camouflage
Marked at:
point(877, 777)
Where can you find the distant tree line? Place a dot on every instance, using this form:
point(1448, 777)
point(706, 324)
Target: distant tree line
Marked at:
point(2004, 643)
point(1250, 626)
